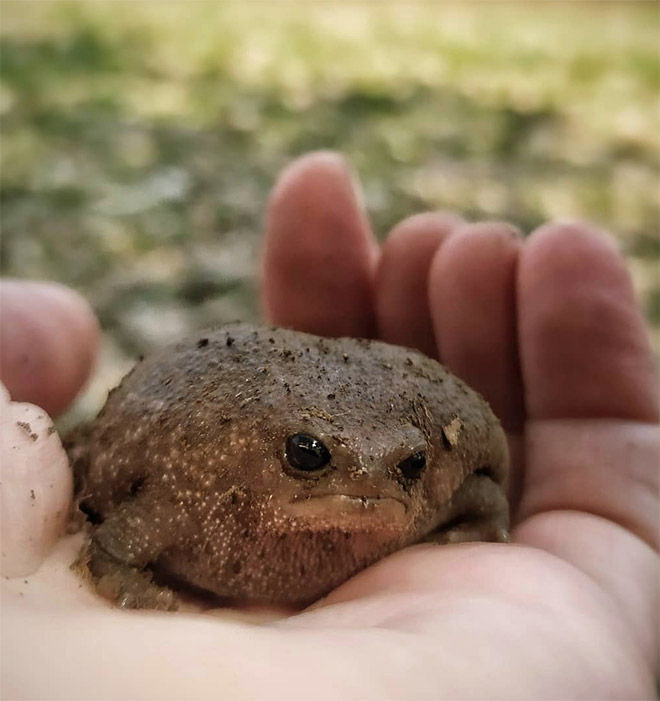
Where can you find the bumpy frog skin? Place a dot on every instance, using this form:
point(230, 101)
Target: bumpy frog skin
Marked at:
point(268, 465)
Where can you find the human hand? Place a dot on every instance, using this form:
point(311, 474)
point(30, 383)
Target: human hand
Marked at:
point(549, 332)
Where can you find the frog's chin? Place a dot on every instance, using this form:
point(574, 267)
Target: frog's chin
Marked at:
point(347, 507)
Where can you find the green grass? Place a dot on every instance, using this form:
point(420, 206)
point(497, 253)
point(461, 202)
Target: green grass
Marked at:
point(140, 139)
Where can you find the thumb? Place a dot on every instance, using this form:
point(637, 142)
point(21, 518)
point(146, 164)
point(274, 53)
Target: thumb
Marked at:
point(48, 343)
point(36, 486)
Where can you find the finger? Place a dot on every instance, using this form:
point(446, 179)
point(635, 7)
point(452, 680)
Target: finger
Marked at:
point(319, 253)
point(607, 468)
point(35, 486)
point(48, 343)
point(402, 301)
point(585, 349)
point(473, 306)
point(590, 386)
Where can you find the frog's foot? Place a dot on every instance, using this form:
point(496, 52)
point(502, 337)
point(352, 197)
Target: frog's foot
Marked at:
point(122, 550)
point(469, 532)
point(478, 511)
point(124, 585)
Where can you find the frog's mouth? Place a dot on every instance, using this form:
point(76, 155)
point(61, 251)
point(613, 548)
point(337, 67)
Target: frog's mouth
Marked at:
point(347, 505)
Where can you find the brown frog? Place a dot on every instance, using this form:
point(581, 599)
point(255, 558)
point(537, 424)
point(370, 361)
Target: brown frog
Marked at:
point(268, 465)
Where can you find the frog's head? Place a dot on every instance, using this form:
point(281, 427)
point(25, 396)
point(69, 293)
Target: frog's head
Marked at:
point(398, 474)
point(330, 491)
point(356, 479)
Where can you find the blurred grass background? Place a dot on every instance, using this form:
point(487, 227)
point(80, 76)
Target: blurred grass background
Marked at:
point(140, 139)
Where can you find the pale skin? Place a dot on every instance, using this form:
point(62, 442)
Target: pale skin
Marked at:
point(548, 330)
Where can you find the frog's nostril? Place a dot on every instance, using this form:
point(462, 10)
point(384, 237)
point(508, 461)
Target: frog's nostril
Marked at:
point(413, 466)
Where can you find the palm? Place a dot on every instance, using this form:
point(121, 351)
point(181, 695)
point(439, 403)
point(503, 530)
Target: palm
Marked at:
point(572, 393)
point(548, 331)
point(517, 621)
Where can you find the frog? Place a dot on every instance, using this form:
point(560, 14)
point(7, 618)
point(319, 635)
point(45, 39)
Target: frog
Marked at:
point(261, 465)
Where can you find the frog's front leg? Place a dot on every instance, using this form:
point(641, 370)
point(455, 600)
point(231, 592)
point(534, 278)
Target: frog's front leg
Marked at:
point(478, 511)
point(122, 548)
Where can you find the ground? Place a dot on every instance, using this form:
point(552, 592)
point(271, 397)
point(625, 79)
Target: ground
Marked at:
point(140, 139)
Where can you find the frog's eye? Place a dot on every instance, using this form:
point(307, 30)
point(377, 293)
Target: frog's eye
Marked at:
point(306, 453)
point(411, 468)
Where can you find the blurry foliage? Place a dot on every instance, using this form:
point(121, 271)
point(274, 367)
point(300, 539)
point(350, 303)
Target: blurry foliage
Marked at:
point(140, 139)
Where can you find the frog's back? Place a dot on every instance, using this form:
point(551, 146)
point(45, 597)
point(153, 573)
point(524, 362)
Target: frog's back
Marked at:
point(181, 399)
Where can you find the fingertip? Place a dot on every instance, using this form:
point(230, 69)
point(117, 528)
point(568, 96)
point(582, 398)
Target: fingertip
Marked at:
point(317, 165)
point(49, 339)
point(319, 253)
point(401, 286)
point(473, 306)
point(560, 248)
point(35, 489)
point(586, 351)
